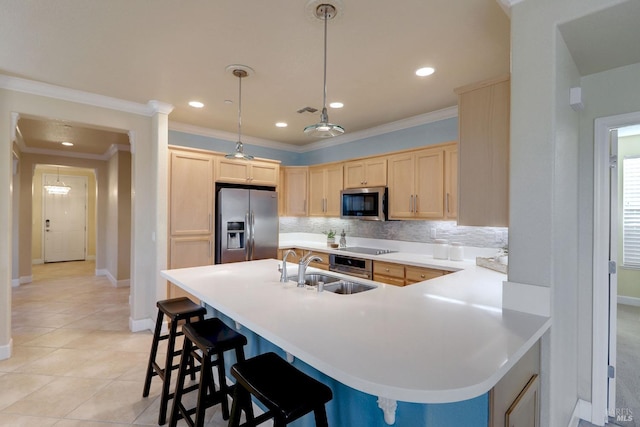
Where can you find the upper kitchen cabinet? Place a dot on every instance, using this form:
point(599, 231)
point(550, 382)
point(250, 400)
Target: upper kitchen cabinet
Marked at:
point(250, 172)
point(370, 172)
point(483, 111)
point(190, 193)
point(325, 184)
point(416, 184)
point(295, 190)
point(451, 181)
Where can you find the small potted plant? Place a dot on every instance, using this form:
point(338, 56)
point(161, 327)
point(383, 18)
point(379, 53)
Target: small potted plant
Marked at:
point(331, 237)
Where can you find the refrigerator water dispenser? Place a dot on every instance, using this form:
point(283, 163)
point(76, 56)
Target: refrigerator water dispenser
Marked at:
point(235, 235)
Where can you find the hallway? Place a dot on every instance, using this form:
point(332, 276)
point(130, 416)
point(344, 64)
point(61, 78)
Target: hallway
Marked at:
point(74, 361)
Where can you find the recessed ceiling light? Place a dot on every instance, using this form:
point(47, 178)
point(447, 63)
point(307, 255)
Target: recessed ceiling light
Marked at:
point(281, 125)
point(196, 104)
point(67, 143)
point(425, 71)
point(336, 105)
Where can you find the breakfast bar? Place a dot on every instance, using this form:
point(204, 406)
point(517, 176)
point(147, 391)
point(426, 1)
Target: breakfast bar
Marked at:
point(426, 354)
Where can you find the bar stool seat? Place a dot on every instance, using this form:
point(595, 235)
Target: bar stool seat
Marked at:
point(206, 342)
point(177, 310)
point(287, 392)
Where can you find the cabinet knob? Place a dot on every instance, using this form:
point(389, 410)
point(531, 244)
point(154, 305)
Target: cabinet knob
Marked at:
point(422, 276)
point(386, 269)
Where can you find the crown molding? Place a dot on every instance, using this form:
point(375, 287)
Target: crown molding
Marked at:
point(114, 148)
point(159, 107)
point(73, 95)
point(506, 5)
point(229, 136)
point(409, 122)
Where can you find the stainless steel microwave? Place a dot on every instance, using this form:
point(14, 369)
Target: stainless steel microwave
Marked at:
point(364, 203)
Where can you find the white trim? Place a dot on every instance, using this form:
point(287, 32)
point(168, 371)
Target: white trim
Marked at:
point(6, 350)
point(629, 300)
point(26, 279)
point(101, 271)
point(600, 275)
point(37, 261)
point(526, 298)
point(156, 107)
point(116, 283)
point(73, 95)
point(105, 156)
point(15, 283)
point(422, 119)
point(141, 325)
point(582, 411)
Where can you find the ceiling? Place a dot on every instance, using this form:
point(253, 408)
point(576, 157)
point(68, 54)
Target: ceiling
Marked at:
point(175, 52)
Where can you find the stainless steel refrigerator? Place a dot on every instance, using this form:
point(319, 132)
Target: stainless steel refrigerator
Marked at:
point(246, 224)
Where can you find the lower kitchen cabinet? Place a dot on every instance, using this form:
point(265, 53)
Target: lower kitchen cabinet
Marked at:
point(420, 274)
point(402, 275)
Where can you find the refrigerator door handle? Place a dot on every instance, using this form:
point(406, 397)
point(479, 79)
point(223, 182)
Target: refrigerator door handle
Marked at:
point(247, 246)
point(253, 237)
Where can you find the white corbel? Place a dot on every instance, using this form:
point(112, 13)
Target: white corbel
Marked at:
point(388, 407)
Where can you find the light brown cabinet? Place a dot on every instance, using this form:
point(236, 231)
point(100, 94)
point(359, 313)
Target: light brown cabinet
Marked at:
point(402, 275)
point(325, 184)
point(451, 181)
point(370, 172)
point(299, 253)
point(295, 190)
point(483, 111)
point(416, 184)
point(253, 172)
point(191, 193)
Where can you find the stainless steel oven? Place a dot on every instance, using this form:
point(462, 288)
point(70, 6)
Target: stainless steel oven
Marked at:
point(358, 267)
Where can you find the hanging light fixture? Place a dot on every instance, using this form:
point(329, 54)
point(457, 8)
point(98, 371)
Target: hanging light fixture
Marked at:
point(58, 187)
point(240, 71)
point(324, 129)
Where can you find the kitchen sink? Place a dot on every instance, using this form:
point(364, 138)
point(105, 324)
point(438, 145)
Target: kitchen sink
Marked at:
point(335, 284)
point(344, 287)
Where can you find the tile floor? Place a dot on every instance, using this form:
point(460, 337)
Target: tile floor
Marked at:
point(75, 363)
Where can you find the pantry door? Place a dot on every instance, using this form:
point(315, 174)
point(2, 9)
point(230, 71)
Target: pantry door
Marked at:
point(64, 220)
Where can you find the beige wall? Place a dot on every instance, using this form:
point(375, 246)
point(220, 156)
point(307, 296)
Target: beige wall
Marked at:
point(628, 278)
point(119, 216)
point(36, 238)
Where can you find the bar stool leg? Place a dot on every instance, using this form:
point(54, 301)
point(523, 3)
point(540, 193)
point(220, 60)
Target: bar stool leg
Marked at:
point(164, 398)
point(320, 415)
point(177, 397)
point(152, 355)
point(241, 402)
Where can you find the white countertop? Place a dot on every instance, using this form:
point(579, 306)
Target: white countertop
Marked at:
point(443, 340)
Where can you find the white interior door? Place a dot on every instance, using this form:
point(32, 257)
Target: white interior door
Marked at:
point(64, 220)
point(613, 277)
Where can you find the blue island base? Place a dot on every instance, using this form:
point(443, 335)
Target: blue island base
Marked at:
point(353, 408)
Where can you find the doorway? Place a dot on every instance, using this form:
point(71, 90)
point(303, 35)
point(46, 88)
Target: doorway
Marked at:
point(614, 385)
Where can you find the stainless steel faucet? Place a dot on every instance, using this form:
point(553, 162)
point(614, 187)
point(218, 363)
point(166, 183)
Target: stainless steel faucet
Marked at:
point(303, 264)
point(283, 272)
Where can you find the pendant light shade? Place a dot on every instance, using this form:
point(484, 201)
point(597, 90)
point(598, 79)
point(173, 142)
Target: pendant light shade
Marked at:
point(58, 187)
point(240, 71)
point(324, 129)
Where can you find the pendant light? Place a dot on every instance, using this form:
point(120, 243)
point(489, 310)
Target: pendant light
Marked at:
point(58, 187)
point(240, 71)
point(324, 129)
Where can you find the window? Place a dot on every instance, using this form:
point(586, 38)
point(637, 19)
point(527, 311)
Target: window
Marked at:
point(631, 212)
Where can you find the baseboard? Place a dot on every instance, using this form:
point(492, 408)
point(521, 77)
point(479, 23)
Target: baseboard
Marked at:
point(37, 261)
point(582, 411)
point(26, 279)
point(141, 325)
point(15, 283)
point(629, 300)
point(101, 271)
point(6, 350)
point(526, 298)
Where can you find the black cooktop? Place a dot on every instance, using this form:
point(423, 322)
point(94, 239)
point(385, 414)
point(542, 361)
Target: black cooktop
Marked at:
point(368, 251)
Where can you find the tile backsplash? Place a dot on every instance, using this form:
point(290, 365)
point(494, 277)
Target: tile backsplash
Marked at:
point(408, 231)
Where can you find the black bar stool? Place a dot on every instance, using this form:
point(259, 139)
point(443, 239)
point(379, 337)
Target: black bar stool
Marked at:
point(177, 310)
point(287, 393)
point(206, 342)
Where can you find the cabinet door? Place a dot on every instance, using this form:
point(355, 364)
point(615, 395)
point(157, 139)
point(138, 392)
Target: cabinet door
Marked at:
point(376, 172)
point(316, 191)
point(484, 154)
point(190, 194)
point(354, 174)
point(401, 194)
point(451, 182)
point(388, 269)
point(264, 173)
point(419, 274)
point(429, 184)
point(296, 191)
point(233, 171)
point(190, 251)
point(333, 187)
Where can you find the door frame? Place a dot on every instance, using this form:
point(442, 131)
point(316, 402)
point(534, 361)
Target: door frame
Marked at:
point(85, 181)
point(601, 243)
